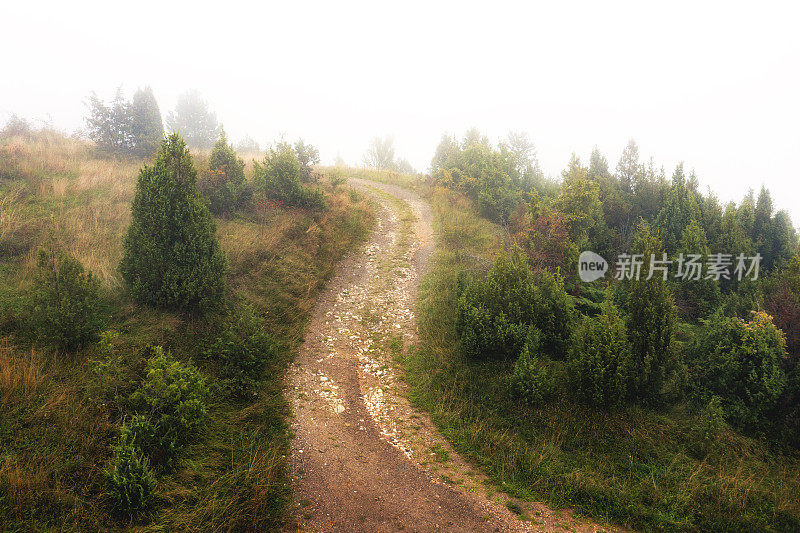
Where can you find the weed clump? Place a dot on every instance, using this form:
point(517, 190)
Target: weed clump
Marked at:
point(241, 352)
point(132, 483)
point(173, 401)
point(532, 379)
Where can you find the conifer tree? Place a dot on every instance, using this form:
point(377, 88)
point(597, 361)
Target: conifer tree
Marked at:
point(629, 169)
point(223, 158)
point(147, 130)
point(109, 125)
point(600, 365)
point(733, 239)
point(696, 297)
point(445, 154)
point(225, 186)
point(679, 210)
point(526, 171)
point(172, 258)
point(746, 213)
point(598, 166)
point(194, 121)
point(579, 201)
point(710, 216)
point(651, 320)
point(784, 239)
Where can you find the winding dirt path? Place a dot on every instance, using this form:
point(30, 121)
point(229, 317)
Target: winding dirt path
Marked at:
point(362, 458)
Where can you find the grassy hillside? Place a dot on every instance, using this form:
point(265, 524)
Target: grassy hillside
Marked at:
point(55, 434)
point(641, 468)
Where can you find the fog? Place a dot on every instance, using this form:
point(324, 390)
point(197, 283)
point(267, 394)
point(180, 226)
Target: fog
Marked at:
point(715, 86)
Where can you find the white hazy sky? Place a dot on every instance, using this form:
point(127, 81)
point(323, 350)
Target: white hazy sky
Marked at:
point(716, 85)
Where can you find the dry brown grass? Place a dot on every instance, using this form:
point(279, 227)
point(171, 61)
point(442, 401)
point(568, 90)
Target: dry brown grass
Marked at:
point(73, 198)
point(249, 158)
point(20, 378)
point(55, 439)
point(248, 496)
point(93, 233)
point(50, 444)
point(12, 221)
point(62, 193)
point(47, 152)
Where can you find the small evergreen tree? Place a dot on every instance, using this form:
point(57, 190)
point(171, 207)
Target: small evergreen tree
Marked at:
point(65, 308)
point(446, 153)
point(746, 213)
point(651, 321)
point(171, 406)
point(782, 301)
point(496, 316)
point(598, 166)
point(696, 298)
point(579, 201)
point(308, 155)
point(629, 170)
point(279, 177)
point(532, 379)
point(740, 361)
point(679, 210)
point(732, 239)
point(523, 153)
point(132, 483)
point(710, 216)
point(241, 352)
point(784, 239)
point(225, 186)
point(485, 174)
point(172, 258)
point(600, 364)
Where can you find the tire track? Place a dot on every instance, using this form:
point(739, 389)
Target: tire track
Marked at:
point(362, 458)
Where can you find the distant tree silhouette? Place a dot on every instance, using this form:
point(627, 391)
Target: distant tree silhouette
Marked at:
point(194, 121)
point(125, 128)
point(109, 125)
point(147, 129)
point(380, 154)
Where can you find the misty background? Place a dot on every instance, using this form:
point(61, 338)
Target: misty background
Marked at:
point(714, 85)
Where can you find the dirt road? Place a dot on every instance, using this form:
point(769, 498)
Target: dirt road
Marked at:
point(362, 458)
